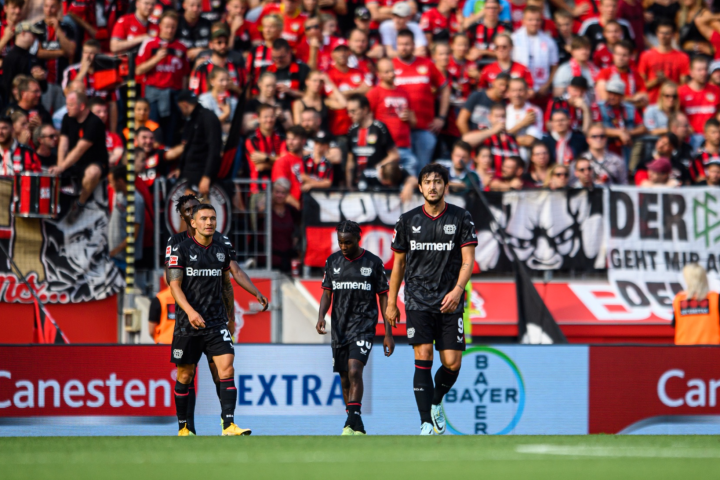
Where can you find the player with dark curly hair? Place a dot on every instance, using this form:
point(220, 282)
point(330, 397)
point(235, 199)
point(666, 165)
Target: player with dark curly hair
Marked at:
point(353, 280)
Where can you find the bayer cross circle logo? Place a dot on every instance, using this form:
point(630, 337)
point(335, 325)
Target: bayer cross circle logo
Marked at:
point(488, 397)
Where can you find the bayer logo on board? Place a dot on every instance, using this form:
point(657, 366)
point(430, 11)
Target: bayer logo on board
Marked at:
point(488, 397)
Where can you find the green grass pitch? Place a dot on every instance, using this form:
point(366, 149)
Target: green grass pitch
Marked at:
point(206, 458)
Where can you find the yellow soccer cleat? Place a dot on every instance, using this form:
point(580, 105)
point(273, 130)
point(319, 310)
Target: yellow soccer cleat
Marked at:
point(358, 432)
point(235, 431)
point(348, 431)
point(185, 432)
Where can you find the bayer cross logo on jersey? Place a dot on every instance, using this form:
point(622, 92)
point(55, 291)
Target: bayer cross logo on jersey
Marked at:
point(450, 229)
point(366, 271)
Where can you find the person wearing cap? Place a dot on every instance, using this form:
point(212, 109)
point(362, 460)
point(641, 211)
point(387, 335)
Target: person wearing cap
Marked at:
point(635, 91)
point(579, 65)
point(715, 73)
point(663, 63)
point(19, 59)
point(575, 101)
point(389, 29)
point(621, 119)
point(659, 174)
point(318, 171)
point(163, 62)
point(372, 46)
point(193, 30)
point(220, 48)
point(201, 160)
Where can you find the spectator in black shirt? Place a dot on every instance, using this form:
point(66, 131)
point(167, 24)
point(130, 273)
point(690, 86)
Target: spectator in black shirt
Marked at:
point(371, 145)
point(19, 60)
point(290, 74)
point(29, 96)
point(82, 154)
point(193, 30)
point(45, 138)
point(200, 162)
point(564, 144)
point(474, 115)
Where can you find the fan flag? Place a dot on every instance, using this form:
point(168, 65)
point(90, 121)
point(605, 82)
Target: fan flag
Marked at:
point(46, 330)
point(536, 324)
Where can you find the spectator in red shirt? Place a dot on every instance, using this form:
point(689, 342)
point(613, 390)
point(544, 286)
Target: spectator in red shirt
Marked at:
point(318, 171)
point(390, 104)
point(13, 14)
point(663, 62)
point(425, 84)
point(294, 20)
point(635, 91)
point(602, 56)
point(290, 164)
point(709, 153)
point(14, 156)
point(360, 57)
point(698, 99)
point(504, 63)
point(440, 23)
point(163, 61)
point(263, 146)
point(132, 29)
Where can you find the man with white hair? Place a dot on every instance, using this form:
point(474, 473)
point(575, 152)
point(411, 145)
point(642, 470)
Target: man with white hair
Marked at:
point(401, 14)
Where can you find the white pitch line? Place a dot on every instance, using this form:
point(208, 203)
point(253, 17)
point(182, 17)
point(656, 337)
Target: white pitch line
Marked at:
point(639, 452)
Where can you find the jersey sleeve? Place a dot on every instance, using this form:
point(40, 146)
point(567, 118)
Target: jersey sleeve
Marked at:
point(168, 249)
point(467, 231)
point(231, 249)
point(155, 311)
point(326, 282)
point(399, 241)
point(381, 282)
point(177, 258)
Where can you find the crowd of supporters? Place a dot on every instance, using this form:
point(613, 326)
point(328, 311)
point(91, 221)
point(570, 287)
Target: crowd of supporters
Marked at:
point(515, 94)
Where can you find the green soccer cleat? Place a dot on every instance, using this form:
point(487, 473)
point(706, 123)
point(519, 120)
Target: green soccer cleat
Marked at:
point(358, 432)
point(348, 431)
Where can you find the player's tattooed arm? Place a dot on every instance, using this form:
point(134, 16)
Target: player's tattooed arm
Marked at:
point(175, 275)
point(228, 296)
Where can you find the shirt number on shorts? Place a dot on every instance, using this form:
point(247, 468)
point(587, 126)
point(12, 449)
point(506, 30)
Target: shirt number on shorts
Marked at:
point(228, 338)
point(461, 326)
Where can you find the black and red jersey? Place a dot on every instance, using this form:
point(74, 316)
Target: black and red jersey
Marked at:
point(576, 114)
point(697, 167)
point(273, 146)
point(17, 159)
point(369, 146)
point(260, 57)
point(502, 146)
point(154, 165)
point(293, 76)
point(72, 72)
point(481, 37)
point(49, 41)
point(200, 78)
point(322, 170)
point(441, 27)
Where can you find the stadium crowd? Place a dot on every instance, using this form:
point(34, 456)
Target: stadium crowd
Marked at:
point(515, 94)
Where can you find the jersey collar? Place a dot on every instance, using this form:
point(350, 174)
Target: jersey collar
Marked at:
point(199, 245)
point(358, 257)
point(435, 218)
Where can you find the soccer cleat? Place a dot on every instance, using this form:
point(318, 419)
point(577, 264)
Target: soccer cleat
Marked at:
point(185, 432)
point(348, 431)
point(427, 429)
point(358, 432)
point(438, 418)
point(235, 431)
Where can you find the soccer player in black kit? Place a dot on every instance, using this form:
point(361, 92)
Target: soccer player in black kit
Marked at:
point(353, 278)
point(434, 247)
point(201, 286)
point(184, 207)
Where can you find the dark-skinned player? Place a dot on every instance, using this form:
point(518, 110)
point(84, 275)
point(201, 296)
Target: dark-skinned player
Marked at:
point(199, 273)
point(434, 247)
point(184, 207)
point(354, 281)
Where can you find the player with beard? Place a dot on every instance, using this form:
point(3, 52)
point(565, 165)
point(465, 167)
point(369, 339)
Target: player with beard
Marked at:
point(200, 284)
point(185, 206)
point(434, 247)
point(353, 277)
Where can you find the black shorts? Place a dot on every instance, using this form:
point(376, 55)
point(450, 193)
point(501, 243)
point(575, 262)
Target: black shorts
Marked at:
point(77, 171)
point(357, 350)
point(446, 330)
point(187, 350)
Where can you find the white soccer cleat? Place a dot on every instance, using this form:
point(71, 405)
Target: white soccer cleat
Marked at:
point(438, 418)
point(427, 429)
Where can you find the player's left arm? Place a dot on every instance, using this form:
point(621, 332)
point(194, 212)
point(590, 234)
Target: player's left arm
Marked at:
point(229, 301)
point(388, 341)
point(242, 279)
point(452, 299)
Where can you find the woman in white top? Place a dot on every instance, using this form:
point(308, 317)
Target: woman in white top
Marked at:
point(218, 99)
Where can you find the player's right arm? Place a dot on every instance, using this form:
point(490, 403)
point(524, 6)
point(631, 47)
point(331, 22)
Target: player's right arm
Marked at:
point(325, 302)
point(392, 313)
point(176, 278)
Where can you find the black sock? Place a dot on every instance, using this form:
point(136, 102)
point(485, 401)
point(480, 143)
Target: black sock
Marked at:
point(354, 419)
point(217, 390)
point(181, 403)
point(423, 386)
point(191, 408)
point(444, 380)
point(228, 399)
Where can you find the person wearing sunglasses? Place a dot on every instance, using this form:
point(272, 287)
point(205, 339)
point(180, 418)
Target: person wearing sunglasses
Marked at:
point(45, 138)
point(656, 117)
point(609, 168)
point(584, 175)
point(558, 177)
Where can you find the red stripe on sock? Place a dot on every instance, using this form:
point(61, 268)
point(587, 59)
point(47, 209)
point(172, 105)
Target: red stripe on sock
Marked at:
point(227, 380)
point(182, 394)
point(231, 388)
point(354, 404)
point(451, 372)
point(422, 368)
